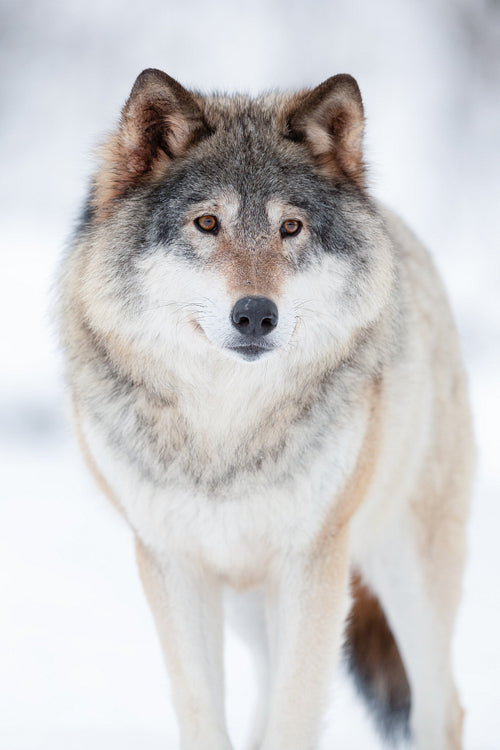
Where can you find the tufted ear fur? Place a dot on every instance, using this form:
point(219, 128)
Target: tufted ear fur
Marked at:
point(159, 122)
point(330, 120)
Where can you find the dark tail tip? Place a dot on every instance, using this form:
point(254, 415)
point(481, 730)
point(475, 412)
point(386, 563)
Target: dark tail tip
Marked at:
point(375, 663)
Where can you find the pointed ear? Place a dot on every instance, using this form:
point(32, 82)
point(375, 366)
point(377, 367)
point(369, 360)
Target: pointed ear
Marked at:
point(330, 120)
point(159, 122)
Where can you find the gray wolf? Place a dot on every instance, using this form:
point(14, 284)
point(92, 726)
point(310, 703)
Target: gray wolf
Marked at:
point(266, 381)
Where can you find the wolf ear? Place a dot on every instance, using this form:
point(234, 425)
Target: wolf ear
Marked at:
point(330, 120)
point(159, 122)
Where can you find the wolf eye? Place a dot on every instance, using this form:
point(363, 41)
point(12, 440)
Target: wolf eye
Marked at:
point(207, 223)
point(290, 227)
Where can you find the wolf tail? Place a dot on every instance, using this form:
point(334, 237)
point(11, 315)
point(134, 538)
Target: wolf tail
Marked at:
point(375, 663)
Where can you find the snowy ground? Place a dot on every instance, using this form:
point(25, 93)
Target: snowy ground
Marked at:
point(80, 664)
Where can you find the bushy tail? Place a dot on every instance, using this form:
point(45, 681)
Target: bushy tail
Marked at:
point(375, 663)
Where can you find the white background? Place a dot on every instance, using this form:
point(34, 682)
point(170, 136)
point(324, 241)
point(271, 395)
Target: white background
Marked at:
point(80, 666)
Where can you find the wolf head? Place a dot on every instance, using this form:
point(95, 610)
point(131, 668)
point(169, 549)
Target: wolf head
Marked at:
point(232, 227)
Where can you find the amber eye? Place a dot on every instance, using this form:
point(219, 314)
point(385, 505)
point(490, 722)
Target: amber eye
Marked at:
point(290, 226)
point(207, 223)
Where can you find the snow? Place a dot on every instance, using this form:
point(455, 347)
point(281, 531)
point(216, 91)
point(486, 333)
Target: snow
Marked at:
point(81, 665)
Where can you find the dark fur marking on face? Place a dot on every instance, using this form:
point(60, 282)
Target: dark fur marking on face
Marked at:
point(245, 148)
point(165, 206)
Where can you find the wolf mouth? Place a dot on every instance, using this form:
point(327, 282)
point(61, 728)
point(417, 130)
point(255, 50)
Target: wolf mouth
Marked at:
point(250, 352)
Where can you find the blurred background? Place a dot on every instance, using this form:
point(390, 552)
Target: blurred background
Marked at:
point(80, 666)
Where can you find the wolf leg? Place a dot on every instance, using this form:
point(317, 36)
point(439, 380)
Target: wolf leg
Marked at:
point(187, 608)
point(416, 574)
point(246, 613)
point(307, 607)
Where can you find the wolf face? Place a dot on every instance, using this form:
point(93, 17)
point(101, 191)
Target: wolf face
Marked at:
point(235, 228)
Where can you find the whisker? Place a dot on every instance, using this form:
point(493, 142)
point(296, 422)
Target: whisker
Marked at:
point(189, 306)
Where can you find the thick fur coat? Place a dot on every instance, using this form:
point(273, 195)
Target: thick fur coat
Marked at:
point(314, 472)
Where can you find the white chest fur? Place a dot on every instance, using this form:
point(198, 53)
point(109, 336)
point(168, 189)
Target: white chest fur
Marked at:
point(250, 522)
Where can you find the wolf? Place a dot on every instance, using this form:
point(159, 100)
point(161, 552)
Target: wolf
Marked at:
point(266, 381)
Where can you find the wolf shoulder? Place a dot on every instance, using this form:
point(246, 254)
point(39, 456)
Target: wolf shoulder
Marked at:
point(421, 286)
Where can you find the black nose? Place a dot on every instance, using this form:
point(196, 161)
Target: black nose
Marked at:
point(255, 316)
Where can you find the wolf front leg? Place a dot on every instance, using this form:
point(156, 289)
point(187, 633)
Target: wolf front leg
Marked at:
point(187, 609)
point(307, 607)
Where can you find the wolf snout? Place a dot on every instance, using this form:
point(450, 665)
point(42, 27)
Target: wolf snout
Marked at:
point(255, 316)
